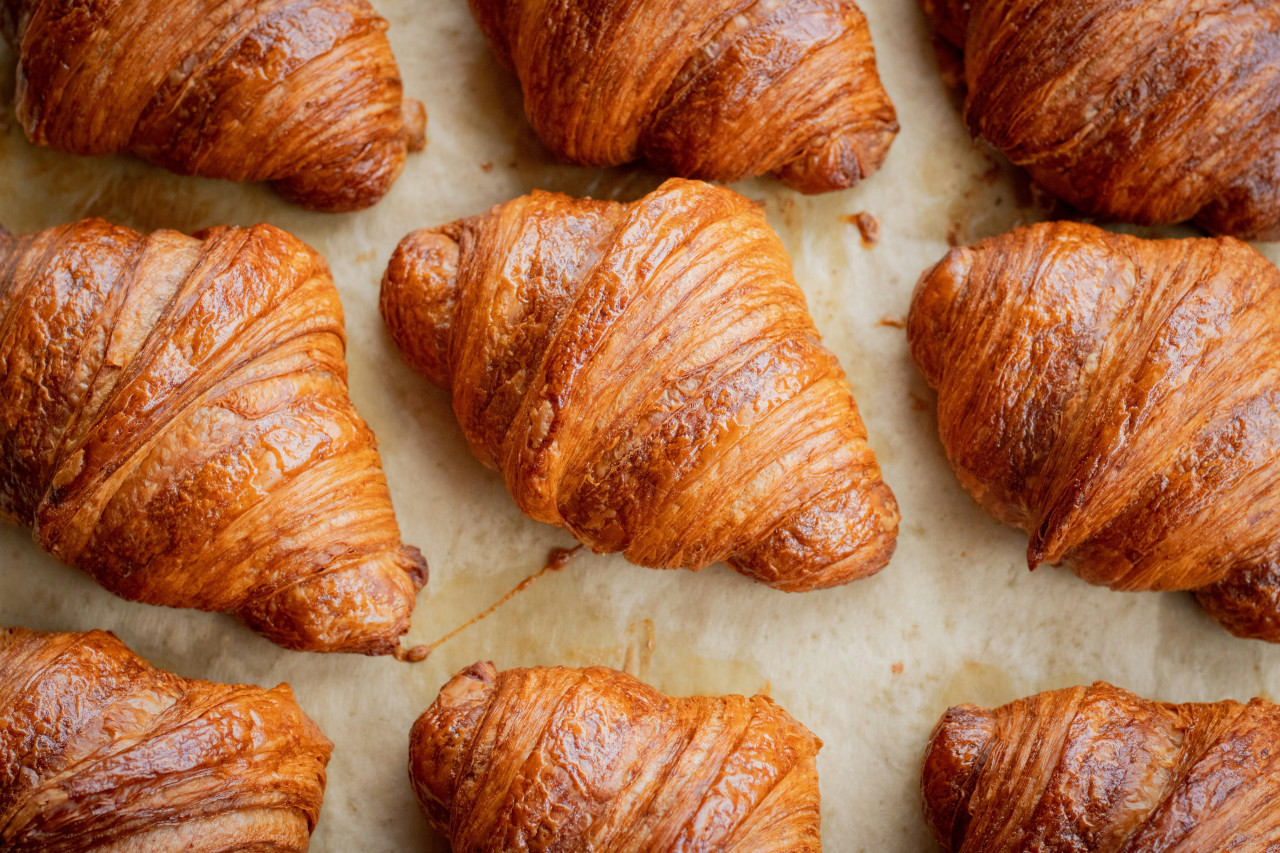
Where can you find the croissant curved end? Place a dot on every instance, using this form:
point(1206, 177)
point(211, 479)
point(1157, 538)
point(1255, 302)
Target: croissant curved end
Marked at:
point(1246, 602)
point(956, 752)
point(374, 604)
point(839, 162)
point(442, 732)
point(927, 323)
point(419, 291)
point(414, 115)
point(850, 536)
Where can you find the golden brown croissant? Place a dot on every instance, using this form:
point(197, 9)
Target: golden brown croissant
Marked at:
point(1144, 110)
point(647, 376)
point(304, 94)
point(1099, 770)
point(99, 751)
point(174, 420)
point(715, 89)
point(1118, 399)
point(592, 759)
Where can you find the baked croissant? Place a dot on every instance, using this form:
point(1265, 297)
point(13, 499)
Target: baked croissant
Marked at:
point(716, 89)
point(1097, 769)
point(174, 420)
point(592, 759)
point(1118, 399)
point(1149, 112)
point(99, 751)
point(647, 376)
point(305, 94)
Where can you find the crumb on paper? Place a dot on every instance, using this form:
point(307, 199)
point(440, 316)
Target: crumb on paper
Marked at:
point(366, 257)
point(893, 321)
point(486, 166)
point(896, 669)
point(917, 404)
point(868, 225)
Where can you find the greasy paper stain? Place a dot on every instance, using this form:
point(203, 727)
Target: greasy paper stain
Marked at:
point(556, 560)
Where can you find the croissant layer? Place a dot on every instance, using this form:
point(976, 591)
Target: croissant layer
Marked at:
point(174, 420)
point(304, 94)
point(1145, 111)
point(647, 376)
point(99, 751)
point(1117, 398)
point(592, 759)
point(718, 89)
point(1099, 770)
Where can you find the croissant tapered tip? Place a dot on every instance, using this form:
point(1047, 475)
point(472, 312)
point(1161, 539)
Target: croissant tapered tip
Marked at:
point(957, 750)
point(414, 114)
point(929, 319)
point(419, 291)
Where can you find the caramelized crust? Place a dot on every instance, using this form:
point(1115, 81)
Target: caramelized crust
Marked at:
point(592, 759)
point(304, 94)
point(1099, 770)
point(717, 89)
point(101, 752)
point(175, 422)
point(647, 376)
point(1119, 399)
point(1145, 111)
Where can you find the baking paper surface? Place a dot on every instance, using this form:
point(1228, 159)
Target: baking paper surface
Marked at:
point(869, 667)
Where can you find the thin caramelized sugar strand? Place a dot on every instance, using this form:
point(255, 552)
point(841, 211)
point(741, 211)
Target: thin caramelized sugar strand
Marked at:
point(648, 377)
point(1098, 769)
point(101, 752)
point(719, 90)
point(1117, 399)
point(1145, 111)
point(592, 759)
point(305, 95)
point(175, 422)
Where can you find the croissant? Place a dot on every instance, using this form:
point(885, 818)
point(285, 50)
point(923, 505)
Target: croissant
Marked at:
point(305, 94)
point(1117, 398)
point(592, 759)
point(174, 420)
point(101, 752)
point(717, 89)
point(1097, 769)
point(647, 376)
point(1148, 112)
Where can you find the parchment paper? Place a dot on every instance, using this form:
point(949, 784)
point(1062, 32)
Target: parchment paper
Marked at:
point(869, 667)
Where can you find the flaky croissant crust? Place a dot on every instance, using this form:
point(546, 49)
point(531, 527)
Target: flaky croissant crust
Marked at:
point(1141, 110)
point(99, 751)
point(718, 89)
point(592, 759)
point(1099, 770)
point(647, 376)
point(1118, 399)
point(174, 420)
point(305, 95)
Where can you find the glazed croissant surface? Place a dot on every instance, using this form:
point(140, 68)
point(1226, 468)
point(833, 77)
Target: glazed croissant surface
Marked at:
point(647, 376)
point(1099, 770)
point(1145, 111)
point(1119, 399)
point(717, 89)
point(592, 759)
point(174, 420)
point(99, 751)
point(304, 94)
